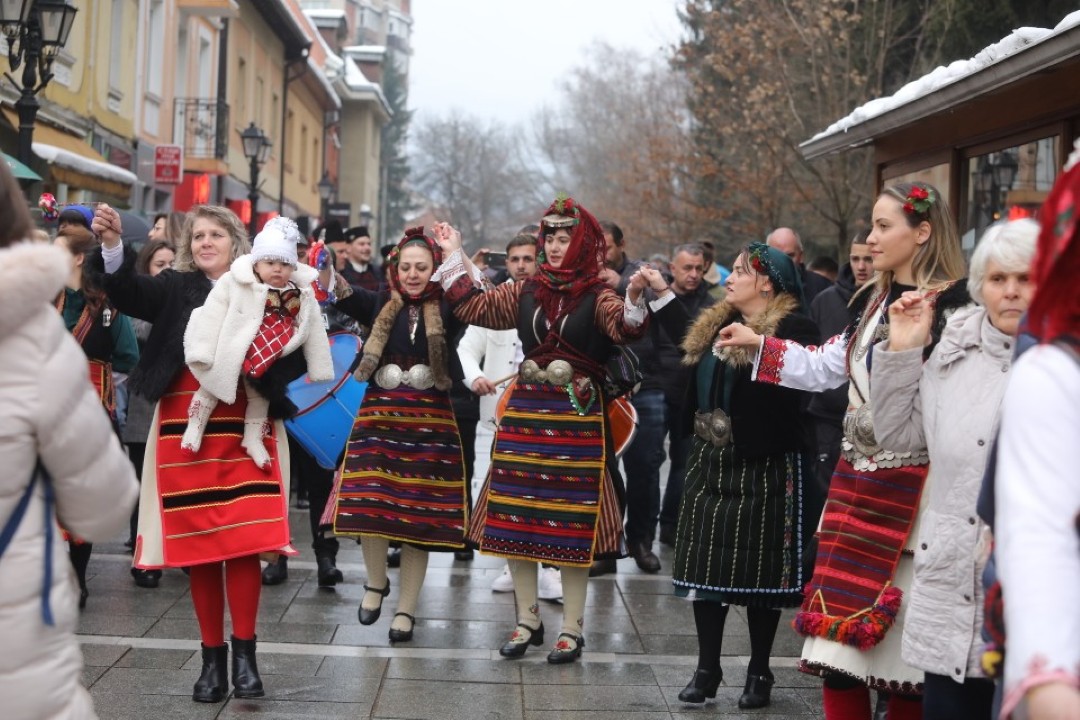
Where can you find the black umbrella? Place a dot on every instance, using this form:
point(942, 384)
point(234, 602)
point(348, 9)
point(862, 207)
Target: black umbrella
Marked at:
point(135, 227)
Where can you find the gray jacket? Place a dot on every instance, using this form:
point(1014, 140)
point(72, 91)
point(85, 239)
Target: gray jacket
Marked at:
point(949, 405)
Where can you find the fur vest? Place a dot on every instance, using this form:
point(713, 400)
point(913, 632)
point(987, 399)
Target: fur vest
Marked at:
point(765, 419)
point(220, 332)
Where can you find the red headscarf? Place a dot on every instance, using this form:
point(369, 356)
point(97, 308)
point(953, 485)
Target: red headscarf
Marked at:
point(1055, 310)
point(415, 236)
point(559, 290)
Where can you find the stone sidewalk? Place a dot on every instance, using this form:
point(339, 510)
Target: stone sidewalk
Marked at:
point(141, 650)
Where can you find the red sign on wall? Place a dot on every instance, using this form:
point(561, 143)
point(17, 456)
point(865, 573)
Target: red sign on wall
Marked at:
point(168, 164)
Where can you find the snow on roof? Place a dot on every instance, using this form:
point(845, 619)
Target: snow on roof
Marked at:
point(325, 14)
point(67, 159)
point(1017, 41)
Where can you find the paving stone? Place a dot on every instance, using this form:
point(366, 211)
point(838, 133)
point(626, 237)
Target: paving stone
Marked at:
point(475, 671)
point(104, 655)
point(128, 706)
point(427, 700)
point(91, 673)
point(272, 664)
point(287, 709)
point(100, 622)
point(347, 667)
point(593, 715)
point(785, 702)
point(147, 681)
point(156, 658)
point(588, 697)
point(586, 673)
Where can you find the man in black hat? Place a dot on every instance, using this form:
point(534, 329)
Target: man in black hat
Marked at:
point(359, 270)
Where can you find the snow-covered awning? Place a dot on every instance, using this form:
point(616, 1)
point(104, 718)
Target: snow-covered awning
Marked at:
point(1023, 52)
point(73, 161)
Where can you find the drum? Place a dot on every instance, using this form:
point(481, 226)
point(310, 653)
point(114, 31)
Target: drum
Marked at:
point(328, 409)
point(621, 414)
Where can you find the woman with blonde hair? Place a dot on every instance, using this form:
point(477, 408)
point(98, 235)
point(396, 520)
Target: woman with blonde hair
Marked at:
point(852, 615)
point(213, 510)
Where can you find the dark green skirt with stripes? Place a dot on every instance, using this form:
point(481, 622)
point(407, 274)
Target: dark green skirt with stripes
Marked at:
point(740, 536)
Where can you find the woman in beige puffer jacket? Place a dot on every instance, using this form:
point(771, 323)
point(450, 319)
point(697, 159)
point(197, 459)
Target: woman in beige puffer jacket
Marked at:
point(48, 411)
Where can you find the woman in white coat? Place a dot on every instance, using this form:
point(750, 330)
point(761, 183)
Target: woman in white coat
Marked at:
point(950, 405)
point(49, 412)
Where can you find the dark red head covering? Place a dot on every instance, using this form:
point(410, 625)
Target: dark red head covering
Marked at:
point(560, 289)
point(1055, 309)
point(415, 236)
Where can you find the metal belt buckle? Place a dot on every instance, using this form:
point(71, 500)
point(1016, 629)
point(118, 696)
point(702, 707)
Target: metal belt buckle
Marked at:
point(389, 377)
point(558, 372)
point(419, 377)
point(859, 430)
point(713, 427)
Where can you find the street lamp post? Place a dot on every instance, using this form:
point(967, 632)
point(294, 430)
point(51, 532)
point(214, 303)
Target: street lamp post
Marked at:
point(257, 151)
point(36, 30)
point(326, 189)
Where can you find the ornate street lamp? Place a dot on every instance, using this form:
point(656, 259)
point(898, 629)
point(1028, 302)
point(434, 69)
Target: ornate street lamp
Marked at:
point(326, 189)
point(36, 30)
point(257, 151)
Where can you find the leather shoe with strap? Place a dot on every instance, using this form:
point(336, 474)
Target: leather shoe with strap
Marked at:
point(567, 649)
point(644, 556)
point(523, 637)
point(758, 691)
point(370, 617)
point(402, 635)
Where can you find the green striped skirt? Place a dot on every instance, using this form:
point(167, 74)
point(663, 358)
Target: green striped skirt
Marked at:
point(740, 535)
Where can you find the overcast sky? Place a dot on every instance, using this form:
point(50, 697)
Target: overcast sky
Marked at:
point(502, 59)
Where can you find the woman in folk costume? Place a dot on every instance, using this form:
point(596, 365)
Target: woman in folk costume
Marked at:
point(403, 478)
point(549, 497)
point(852, 615)
point(741, 529)
point(263, 309)
point(213, 511)
point(109, 342)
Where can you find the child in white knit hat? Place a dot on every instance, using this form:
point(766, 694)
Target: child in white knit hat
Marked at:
point(263, 309)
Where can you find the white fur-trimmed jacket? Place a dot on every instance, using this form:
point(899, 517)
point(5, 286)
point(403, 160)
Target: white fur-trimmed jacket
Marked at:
point(221, 331)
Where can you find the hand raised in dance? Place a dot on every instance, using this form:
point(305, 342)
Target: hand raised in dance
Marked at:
point(910, 317)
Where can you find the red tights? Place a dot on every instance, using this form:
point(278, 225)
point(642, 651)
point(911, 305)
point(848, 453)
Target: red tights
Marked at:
point(853, 703)
point(242, 583)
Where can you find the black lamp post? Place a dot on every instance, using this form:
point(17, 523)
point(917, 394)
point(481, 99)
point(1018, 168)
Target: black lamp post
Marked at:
point(36, 30)
point(326, 189)
point(257, 151)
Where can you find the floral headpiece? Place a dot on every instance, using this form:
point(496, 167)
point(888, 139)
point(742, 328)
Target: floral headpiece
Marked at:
point(563, 213)
point(919, 200)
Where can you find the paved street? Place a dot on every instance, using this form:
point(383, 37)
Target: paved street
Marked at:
point(141, 649)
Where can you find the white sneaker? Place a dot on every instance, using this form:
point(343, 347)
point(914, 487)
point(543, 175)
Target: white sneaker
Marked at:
point(503, 583)
point(550, 584)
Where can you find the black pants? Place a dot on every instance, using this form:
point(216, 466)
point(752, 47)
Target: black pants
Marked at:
point(946, 699)
point(136, 452)
point(319, 482)
point(467, 432)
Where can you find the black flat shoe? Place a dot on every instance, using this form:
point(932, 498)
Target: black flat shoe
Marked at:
point(83, 594)
point(146, 578)
point(403, 635)
point(465, 555)
point(213, 683)
point(328, 574)
point(276, 572)
point(393, 557)
point(370, 617)
point(702, 686)
point(757, 692)
point(522, 638)
point(567, 649)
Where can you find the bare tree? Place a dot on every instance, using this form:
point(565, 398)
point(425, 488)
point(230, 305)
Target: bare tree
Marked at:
point(618, 140)
point(474, 170)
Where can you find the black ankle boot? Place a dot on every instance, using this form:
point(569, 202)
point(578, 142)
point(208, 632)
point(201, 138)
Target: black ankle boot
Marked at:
point(276, 572)
point(213, 684)
point(328, 574)
point(758, 691)
point(245, 672)
point(702, 686)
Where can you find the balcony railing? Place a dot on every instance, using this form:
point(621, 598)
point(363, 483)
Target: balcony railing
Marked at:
point(202, 127)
